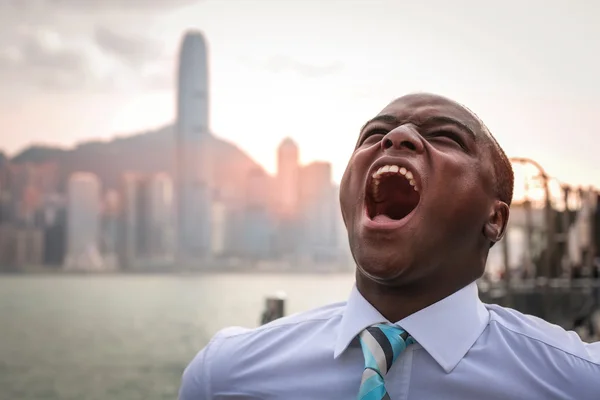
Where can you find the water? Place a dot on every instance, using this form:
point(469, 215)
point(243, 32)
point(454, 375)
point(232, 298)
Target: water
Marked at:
point(129, 337)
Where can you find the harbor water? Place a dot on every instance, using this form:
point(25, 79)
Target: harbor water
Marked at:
point(129, 337)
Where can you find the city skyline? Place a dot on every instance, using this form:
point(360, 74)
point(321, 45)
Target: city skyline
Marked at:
point(171, 200)
point(529, 83)
point(75, 221)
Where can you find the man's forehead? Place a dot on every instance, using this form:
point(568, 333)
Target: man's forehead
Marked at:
point(423, 105)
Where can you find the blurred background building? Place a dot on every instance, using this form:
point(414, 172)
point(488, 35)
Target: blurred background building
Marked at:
point(193, 164)
point(83, 222)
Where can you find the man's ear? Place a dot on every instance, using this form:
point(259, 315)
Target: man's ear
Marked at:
point(495, 226)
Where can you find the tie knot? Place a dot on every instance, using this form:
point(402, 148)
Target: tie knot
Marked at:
point(382, 345)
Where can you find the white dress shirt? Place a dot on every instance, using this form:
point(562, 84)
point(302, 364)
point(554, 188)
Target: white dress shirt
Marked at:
point(465, 350)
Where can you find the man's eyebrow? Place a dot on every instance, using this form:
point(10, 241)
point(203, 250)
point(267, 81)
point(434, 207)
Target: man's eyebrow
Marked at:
point(440, 119)
point(436, 119)
point(388, 119)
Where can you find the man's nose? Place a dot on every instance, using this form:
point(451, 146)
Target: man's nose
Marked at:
point(404, 137)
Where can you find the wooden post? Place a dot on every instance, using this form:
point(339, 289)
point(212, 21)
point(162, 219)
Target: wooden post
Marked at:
point(274, 308)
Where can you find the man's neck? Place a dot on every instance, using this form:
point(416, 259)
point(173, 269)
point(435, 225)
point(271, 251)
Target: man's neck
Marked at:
point(398, 302)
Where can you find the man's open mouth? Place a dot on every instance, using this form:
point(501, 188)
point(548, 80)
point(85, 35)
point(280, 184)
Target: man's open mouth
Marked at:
point(391, 193)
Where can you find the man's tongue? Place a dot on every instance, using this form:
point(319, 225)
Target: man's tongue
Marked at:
point(382, 218)
point(394, 199)
point(396, 206)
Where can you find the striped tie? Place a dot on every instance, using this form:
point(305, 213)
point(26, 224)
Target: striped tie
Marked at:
point(381, 345)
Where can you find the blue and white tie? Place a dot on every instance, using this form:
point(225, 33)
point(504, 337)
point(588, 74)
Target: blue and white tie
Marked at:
point(381, 345)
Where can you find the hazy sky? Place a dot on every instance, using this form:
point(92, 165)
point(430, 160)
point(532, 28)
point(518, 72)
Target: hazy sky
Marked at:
point(314, 70)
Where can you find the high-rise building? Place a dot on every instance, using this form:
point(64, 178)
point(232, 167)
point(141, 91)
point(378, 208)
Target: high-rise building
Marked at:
point(128, 228)
point(20, 247)
point(288, 190)
point(55, 227)
point(83, 222)
point(136, 221)
point(318, 206)
point(7, 203)
point(146, 228)
point(288, 178)
point(193, 162)
point(29, 185)
point(109, 231)
point(160, 216)
point(258, 235)
point(219, 229)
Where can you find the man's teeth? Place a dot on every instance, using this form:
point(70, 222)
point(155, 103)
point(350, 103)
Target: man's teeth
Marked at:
point(393, 169)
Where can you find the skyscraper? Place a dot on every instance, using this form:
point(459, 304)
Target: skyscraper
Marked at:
point(288, 178)
point(257, 224)
point(193, 163)
point(160, 216)
point(146, 220)
point(319, 210)
point(129, 229)
point(83, 222)
point(288, 188)
point(109, 227)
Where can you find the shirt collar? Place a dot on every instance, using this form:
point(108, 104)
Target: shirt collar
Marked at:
point(446, 329)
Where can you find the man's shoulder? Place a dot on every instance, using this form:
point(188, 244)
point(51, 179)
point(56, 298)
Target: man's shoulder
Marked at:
point(238, 355)
point(311, 318)
point(538, 332)
point(234, 341)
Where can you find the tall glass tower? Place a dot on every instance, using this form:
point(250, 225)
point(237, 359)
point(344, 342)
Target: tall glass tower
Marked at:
point(192, 158)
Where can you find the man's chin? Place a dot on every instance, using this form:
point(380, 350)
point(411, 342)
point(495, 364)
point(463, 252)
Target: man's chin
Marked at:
point(383, 259)
point(381, 272)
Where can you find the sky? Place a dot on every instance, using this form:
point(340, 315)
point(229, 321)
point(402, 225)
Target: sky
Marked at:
point(313, 70)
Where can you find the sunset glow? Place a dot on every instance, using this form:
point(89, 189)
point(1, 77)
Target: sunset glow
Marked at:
point(317, 86)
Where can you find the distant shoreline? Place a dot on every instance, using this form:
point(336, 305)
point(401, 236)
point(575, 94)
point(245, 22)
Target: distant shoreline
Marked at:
point(180, 271)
